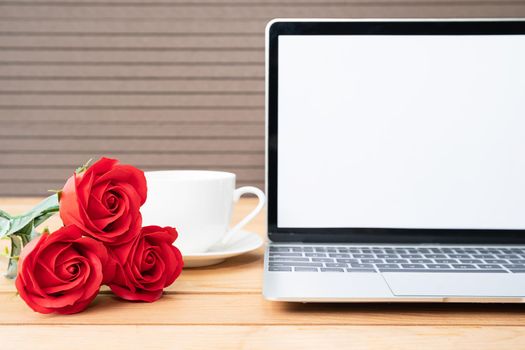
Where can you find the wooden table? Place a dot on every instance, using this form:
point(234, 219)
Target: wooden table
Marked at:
point(221, 307)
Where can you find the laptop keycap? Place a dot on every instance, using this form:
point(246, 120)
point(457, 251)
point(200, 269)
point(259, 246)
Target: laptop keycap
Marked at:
point(336, 265)
point(413, 266)
point(276, 269)
point(514, 266)
point(306, 269)
point(316, 255)
point(362, 266)
point(347, 260)
point(388, 266)
point(279, 249)
point(329, 269)
point(366, 256)
point(388, 256)
point(293, 263)
point(445, 261)
point(471, 261)
point(489, 267)
point(504, 256)
point(372, 261)
point(460, 256)
point(289, 259)
point(463, 266)
point(411, 256)
point(438, 266)
point(519, 261)
point(421, 261)
point(284, 254)
point(323, 260)
point(397, 261)
point(339, 255)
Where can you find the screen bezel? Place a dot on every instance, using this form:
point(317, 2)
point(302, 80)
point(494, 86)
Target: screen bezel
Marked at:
point(371, 27)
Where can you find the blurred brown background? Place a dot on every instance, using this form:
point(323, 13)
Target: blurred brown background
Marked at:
point(160, 84)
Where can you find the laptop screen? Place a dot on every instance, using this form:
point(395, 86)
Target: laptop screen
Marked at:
point(401, 131)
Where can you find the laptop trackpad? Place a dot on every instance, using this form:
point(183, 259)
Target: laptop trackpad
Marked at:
point(456, 284)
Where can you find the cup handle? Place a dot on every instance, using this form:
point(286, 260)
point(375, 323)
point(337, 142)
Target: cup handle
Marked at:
point(236, 196)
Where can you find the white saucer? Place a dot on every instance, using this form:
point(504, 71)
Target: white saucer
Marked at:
point(243, 242)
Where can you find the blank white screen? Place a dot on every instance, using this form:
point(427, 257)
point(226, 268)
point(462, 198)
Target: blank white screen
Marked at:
point(401, 131)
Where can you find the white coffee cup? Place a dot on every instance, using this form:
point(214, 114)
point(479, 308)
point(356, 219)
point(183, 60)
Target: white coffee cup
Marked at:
point(198, 204)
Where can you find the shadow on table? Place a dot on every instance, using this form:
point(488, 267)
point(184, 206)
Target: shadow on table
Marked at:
point(437, 309)
point(235, 262)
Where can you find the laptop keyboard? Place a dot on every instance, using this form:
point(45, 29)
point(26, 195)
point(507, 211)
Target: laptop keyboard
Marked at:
point(308, 258)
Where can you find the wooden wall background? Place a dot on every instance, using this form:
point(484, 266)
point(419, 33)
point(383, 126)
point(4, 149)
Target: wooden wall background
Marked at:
point(161, 84)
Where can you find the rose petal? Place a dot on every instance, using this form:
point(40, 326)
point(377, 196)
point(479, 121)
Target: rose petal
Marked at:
point(98, 210)
point(46, 277)
point(77, 307)
point(177, 263)
point(99, 190)
point(102, 166)
point(129, 175)
point(49, 256)
point(70, 212)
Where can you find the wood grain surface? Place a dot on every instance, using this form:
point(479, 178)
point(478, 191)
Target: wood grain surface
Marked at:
point(221, 307)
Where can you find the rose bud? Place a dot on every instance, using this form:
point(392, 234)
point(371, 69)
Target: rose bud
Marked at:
point(62, 272)
point(104, 201)
point(152, 264)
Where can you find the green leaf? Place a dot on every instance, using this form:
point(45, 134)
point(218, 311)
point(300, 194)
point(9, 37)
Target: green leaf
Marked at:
point(3, 214)
point(45, 215)
point(18, 223)
point(50, 204)
point(26, 232)
point(5, 223)
point(16, 248)
point(41, 212)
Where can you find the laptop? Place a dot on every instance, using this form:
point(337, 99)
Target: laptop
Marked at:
point(395, 161)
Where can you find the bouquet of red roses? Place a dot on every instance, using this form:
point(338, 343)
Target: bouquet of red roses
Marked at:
point(102, 242)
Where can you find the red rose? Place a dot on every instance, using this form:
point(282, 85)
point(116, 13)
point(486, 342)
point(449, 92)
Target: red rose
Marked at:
point(104, 201)
point(152, 264)
point(62, 272)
